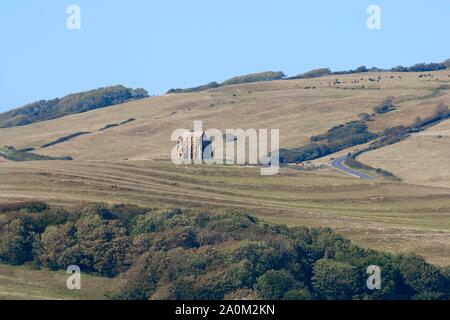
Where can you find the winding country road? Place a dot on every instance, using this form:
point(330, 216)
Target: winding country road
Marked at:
point(339, 165)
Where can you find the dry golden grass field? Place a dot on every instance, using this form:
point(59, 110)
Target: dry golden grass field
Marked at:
point(130, 163)
point(423, 158)
point(285, 105)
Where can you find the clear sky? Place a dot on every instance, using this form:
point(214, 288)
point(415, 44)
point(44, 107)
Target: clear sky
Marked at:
point(162, 44)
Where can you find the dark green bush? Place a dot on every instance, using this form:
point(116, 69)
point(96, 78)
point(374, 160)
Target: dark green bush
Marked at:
point(274, 284)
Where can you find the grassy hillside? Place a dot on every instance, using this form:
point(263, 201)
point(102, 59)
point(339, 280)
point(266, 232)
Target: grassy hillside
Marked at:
point(299, 113)
point(383, 215)
point(73, 103)
point(315, 73)
point(117, 164)
point(420, 159)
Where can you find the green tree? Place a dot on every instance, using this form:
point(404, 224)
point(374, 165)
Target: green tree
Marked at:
point(104, 243)
point(258, 257)
point(426, 280)
point(298, 294)
point(59, 248)
point(274, 284)
point(16, 243)
point(333, 280)
point(361, 69)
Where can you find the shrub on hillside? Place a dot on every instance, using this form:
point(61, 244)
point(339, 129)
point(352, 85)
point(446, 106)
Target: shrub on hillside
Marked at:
point(315, 73)
point(386, 106)
point(73, 103)
point(441, 112)
point(446, 63)
point(337, 138)
point(11, 153)
point(255, 77)
point(425, 67)
point(211, 85)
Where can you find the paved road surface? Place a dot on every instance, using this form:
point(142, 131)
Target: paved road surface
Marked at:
point(338, 164)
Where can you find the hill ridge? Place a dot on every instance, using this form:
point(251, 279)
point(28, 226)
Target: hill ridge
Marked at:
point(70, 104)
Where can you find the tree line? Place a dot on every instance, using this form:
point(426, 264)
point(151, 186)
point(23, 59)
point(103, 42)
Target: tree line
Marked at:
point(314, 73)
point(189, 254)
point(74, 103)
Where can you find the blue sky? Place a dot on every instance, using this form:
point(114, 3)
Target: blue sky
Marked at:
point(162, 44)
